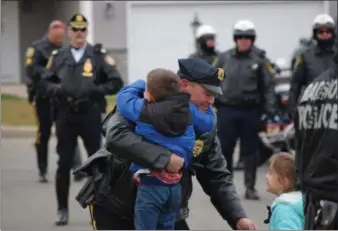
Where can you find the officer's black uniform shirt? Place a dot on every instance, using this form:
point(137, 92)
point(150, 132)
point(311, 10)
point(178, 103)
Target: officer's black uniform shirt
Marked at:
point(82, 79)
point(316, 124)
point(248, 81)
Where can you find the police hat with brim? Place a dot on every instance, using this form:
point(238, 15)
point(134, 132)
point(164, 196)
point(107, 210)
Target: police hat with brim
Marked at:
point(78, 21)
point(199, 71)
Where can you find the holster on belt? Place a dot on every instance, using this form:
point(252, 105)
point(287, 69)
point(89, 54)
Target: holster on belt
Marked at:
point(327, 215)
point(79, 105)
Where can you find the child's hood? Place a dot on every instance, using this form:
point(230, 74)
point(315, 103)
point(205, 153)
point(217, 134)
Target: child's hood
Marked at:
point(170, 116)
point(293, 199)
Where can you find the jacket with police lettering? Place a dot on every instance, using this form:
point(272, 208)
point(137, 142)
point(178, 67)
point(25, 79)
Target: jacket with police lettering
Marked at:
point(248, 81)
point(80, 80)
point(311, 63)
point(316, 124)
point(170, 122)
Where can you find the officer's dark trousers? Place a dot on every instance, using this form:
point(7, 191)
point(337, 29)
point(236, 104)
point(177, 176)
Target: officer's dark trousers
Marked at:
point(69, 125)
point(104, 220)
point(234, 123)
point(44, 117)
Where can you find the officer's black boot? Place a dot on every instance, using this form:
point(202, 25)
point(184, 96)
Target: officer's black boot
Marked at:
point(250, 170)
point(62, 217)
point(43, 177)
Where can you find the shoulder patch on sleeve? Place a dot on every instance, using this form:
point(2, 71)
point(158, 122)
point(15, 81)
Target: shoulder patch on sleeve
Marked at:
point(298, 60)
point(30, 52)
point(270, 68)
point(109, 60)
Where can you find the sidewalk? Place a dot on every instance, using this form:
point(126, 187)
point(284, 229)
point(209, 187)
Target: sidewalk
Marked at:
point(8, 131)
point(14, 89)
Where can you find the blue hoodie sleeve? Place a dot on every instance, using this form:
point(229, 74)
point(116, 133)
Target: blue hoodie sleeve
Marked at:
point(284, 217)
point(202, 121)
point(129, 101)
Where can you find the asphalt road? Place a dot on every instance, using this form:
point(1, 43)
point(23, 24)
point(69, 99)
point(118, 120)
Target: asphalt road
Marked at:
point(27, 204)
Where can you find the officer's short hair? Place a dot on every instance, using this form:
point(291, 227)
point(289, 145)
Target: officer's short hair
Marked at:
point(161, 82)
point(284, 165)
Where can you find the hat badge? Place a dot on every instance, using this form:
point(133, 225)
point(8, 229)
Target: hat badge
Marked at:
point(220, 74)
point(79, 18)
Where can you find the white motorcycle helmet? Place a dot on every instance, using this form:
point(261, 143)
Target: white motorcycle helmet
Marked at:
point(244, 28)
point(323, 21)
point(205, 30)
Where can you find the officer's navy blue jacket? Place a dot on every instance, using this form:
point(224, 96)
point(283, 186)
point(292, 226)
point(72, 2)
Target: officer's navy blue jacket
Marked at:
point(170, 122)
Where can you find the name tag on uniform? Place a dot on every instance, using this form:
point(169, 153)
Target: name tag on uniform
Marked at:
point(87, 69)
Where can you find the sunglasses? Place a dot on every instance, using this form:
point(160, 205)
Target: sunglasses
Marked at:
point(324, 31)
point(243, 37)
point(82, 30)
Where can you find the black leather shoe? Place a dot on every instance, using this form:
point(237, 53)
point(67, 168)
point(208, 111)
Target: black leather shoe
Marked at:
point(43, 178)
point(62, 217)
point(251, 194)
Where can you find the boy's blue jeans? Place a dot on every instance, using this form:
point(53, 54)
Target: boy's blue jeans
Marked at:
point(157, 206)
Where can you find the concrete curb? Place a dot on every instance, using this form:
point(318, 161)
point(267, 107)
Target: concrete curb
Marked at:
point(19, 131)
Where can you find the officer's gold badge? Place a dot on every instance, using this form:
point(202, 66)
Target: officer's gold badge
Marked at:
point(198, 147)
point(109, 60)
point(220, 74)
point(79, 18)
point(88, 69)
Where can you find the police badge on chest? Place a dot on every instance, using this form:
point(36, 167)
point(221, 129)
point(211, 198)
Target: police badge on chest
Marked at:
point(254, 66)
point(87, 69)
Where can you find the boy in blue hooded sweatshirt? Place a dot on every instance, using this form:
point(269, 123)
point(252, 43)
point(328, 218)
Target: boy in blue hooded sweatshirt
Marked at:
point(165, 117)
point(286, 211)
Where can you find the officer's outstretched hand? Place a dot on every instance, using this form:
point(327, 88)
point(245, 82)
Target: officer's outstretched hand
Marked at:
point(246, 224)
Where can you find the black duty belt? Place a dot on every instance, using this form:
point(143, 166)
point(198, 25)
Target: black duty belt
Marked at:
point(78, 106)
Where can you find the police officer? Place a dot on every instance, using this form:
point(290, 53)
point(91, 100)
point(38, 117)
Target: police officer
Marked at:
point(262, 53)
point(317, 150)
point(206, 42)
point(76, 86)
point(316, 59)
point(247, 94)
point(114, 196)
point(36, 60)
